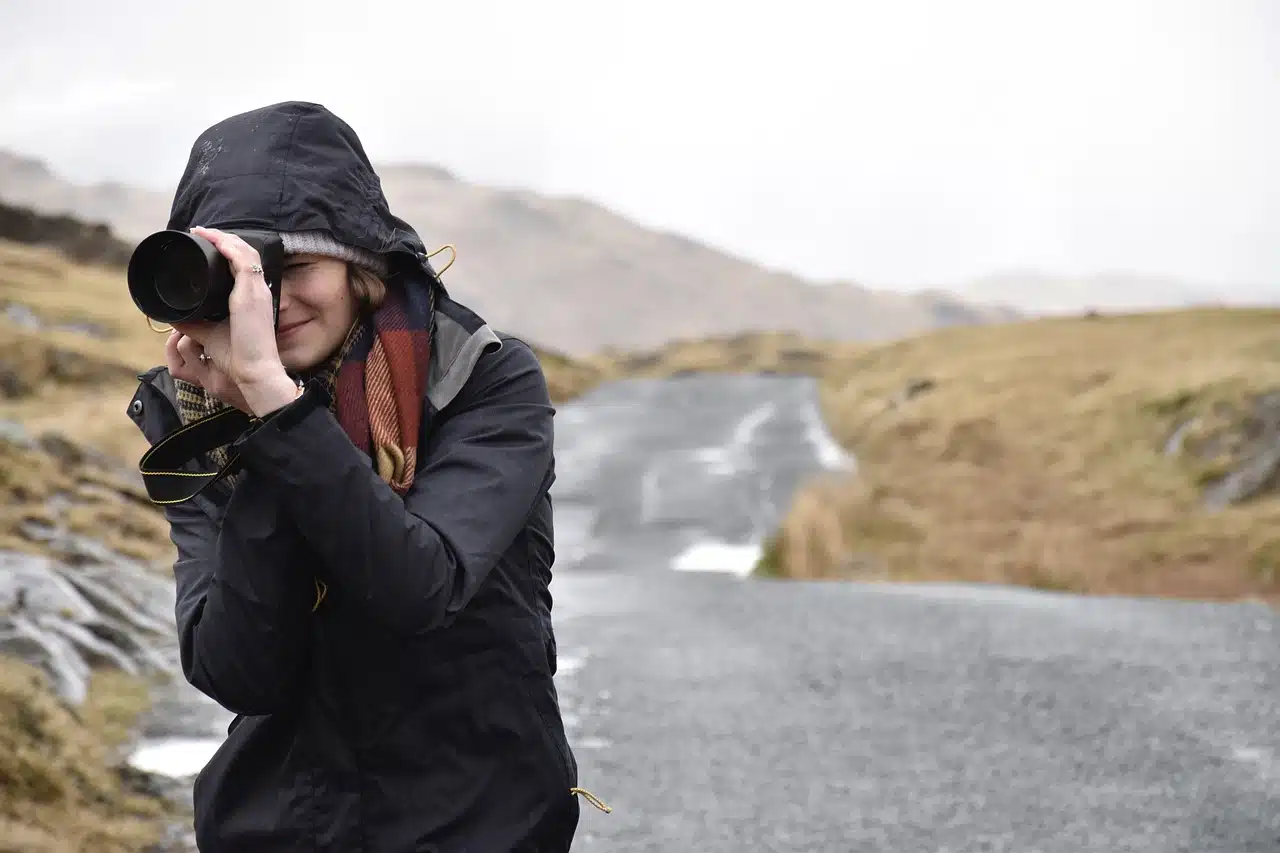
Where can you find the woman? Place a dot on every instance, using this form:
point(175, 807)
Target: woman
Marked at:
point(368, 594)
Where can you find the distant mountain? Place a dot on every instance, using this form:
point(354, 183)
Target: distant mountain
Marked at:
point(1038, 293)
point(563, 272)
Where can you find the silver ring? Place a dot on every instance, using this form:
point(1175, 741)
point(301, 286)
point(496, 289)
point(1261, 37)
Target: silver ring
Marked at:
point(204, 358)
point(256, 268)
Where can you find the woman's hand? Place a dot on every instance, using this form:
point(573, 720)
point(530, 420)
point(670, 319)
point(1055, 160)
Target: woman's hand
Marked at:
point(243, 367)
point(182, 354)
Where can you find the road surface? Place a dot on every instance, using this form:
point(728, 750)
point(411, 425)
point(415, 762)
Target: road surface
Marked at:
point(717, 712)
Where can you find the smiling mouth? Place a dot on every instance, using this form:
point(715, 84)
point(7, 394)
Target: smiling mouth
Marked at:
point(284, 330)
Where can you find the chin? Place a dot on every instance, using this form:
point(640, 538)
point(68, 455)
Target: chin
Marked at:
point(297, 358)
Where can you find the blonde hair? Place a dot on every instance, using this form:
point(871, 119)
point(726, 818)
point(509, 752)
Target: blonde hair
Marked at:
point(368, 289)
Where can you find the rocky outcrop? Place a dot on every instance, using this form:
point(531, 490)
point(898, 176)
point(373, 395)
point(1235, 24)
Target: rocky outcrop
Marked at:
point(1230, 445)
point(1250, 453)
point(89, 608)
point(54, 487)
point(69, 602)
point(81, 241)
point(30, 359)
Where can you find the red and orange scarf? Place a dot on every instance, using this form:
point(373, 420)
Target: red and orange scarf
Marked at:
point(381, 379)
point(376, 382)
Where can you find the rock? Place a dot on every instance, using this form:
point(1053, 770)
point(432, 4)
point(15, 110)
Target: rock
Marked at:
point(14, 432)
point(24, 317)
point(61, 448)
point(87, 242)
point(38, 530)
point(30, 584)
point(67, 671)
point(95, 609)
point(916, 387)
point(93, 649)
point(72, 454)
point(1173, 446)
point(12, 385)
point(84, 327)
point(21, 316)
point(1258, 474)
point(1252, 446)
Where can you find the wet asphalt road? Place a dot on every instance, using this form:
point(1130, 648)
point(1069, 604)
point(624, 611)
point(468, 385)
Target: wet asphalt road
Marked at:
point(717, 713)
point(721, 714)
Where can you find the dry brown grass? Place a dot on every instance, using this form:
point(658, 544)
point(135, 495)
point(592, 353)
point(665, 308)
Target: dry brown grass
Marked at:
point(1035, 458)
point(1038, 459)
point(76, 384)
point(61, 786)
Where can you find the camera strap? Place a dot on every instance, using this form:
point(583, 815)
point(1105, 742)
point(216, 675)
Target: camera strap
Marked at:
point(162, 465)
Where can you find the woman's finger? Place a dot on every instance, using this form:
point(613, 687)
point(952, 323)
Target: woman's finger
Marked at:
point(193, 365)
point(172, 357)
point(189, 349)
point(251, 335)
point(197, 329)
point(240, 255)
point(179, 355)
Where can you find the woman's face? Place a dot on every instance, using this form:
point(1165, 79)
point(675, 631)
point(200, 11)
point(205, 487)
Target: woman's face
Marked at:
point(317, 309)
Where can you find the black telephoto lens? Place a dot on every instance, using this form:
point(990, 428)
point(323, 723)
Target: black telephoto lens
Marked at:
point(178, 288)
point(175, 276)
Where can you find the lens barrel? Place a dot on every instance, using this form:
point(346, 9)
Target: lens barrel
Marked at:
point(175, 276)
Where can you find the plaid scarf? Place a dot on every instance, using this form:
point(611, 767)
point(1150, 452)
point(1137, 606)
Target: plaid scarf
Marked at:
point(376, 381)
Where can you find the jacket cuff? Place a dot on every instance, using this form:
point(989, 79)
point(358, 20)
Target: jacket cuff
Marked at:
point(253, 446)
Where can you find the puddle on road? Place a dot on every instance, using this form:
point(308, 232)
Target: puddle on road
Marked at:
point(176, 757)
point(709, 556)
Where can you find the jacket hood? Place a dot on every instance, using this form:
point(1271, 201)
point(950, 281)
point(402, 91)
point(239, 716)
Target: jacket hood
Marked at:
point(292, 166)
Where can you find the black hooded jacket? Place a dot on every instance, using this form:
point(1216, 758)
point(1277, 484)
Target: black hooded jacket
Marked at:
point(414, 709)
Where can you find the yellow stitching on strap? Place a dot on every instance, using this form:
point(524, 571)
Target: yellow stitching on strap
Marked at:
point(321, 591)
point(591, 798)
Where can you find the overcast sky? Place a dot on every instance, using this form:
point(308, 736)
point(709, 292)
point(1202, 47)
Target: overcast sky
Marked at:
point(899, 144)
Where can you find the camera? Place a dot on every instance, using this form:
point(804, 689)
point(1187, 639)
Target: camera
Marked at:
point(178, 277)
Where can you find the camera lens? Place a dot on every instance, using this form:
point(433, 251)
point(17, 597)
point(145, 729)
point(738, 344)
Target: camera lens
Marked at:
point(172, 275)
point(177, 276)
point(178, 288)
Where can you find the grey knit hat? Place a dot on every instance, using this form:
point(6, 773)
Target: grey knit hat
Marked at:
point(320, 243)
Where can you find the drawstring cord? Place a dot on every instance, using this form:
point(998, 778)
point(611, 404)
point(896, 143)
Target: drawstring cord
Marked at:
point(321, 591)
point(453, 256)
point(591, 798)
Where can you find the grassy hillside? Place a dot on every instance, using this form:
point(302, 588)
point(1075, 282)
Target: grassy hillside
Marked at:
point(1034, 453)
point(1068, 454)
point(61, 786)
